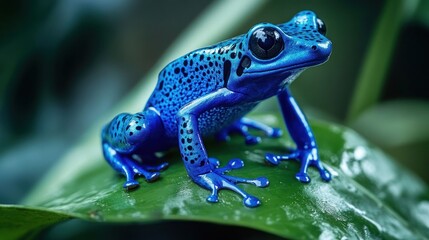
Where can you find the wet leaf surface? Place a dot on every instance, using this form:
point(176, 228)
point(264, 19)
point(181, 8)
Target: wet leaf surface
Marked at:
point(370, 196)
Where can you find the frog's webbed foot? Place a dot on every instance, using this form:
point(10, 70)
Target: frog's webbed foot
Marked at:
point(137, 170)
point(148, 171)
point(217, 180)
point(307, 157)
point(242, 127)
point(131, 168)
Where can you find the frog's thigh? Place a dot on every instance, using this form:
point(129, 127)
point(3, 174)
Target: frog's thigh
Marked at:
point(134, 131)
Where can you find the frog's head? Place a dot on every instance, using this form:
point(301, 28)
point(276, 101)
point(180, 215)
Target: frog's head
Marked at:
point(275, 54)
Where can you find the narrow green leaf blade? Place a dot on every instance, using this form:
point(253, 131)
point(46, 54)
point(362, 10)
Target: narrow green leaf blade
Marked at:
point(377, 61)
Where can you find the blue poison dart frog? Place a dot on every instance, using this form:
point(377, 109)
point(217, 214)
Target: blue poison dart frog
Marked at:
point(207, 92)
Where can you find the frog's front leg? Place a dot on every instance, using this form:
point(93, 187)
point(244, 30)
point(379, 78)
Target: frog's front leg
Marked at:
point(242, 127)
point(306, 152)
point(203, 170)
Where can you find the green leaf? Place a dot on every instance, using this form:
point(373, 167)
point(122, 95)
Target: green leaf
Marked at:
point(369, 197)
point(25, 222)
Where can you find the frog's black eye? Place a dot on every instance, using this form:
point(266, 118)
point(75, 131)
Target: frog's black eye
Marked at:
point(321, 27)
point(266, 43)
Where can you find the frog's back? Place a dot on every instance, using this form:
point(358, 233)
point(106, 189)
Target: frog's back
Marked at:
point(190, 77)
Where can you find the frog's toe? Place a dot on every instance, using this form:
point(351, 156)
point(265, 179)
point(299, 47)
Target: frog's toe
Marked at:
point(142, 170)
point(276, 159)
point(272, 159)
point(251, 201)
point(252, 140)
point(163, 166)
point(131, 185)
point(235, 163)
point(214, 162)
point(213, 198)
point(259, 182)
point(302, 177)
point(325, 175)
point(276, 132)
point(262, 182)
point(152, 177)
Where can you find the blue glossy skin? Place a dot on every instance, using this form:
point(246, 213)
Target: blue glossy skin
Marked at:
point(207, 92)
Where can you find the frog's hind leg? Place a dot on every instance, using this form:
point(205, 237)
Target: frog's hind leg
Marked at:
point(121, 137)
point(242, 127)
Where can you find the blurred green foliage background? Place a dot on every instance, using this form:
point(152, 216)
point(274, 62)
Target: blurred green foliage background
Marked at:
point(64, 64)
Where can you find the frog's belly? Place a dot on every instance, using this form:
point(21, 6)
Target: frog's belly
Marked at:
point(213, 120)
point(209, 122)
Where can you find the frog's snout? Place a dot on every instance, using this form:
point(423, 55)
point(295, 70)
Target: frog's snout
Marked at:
point(322, 50)
point(311, 30)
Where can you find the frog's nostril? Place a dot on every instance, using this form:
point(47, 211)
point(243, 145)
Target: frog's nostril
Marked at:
point(314, 47)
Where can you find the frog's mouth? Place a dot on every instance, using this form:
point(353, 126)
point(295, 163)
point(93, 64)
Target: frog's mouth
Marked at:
point(290, 68)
